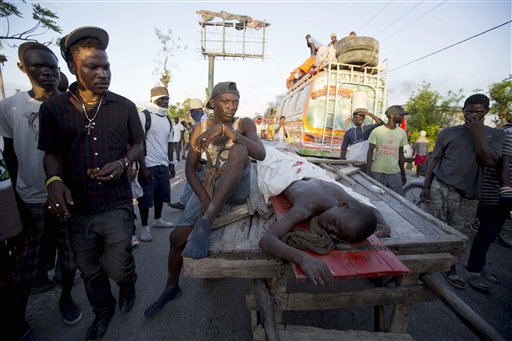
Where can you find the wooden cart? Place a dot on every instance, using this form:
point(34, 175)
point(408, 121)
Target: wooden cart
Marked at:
point(423, 243)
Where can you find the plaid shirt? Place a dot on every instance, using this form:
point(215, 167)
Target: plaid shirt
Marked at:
point(62, 131)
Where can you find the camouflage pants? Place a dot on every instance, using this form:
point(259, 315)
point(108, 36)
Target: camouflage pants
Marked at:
point(449, 206)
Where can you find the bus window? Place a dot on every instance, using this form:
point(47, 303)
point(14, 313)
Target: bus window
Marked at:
point(302, 100)
point(316, 113)
point(289, 106)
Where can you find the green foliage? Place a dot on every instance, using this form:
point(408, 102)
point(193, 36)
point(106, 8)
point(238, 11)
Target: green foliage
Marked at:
point(44, 21)
point(180, 110)
point(45, 17)
point(7, 9)
point(501, 100)
point(430, 111)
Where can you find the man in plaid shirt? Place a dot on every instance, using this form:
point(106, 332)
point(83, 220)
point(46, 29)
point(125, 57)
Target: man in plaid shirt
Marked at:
point(90, 136)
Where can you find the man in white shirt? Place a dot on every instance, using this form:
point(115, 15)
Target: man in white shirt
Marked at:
point(259, 126)
point(313, 44)
point(178, 131)
point(19, 125)
point(155, 166)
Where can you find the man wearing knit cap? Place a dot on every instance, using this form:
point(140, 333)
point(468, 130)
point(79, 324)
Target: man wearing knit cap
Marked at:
point(385, 158)
point(90, 136)
point(225, 143)
point(155, 167)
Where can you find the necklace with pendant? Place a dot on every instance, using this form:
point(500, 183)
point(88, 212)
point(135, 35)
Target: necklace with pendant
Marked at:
point(91, 123)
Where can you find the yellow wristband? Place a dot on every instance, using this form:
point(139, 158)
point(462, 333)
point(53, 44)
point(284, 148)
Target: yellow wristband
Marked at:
point(52, 179)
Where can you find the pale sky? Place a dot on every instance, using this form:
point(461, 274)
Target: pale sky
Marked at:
point(406, 31)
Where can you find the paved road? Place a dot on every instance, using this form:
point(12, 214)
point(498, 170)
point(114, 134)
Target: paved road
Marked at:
point(215, 309)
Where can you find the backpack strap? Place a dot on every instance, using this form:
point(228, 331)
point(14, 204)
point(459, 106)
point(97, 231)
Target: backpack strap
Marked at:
point(147, 124)
point(170, 122)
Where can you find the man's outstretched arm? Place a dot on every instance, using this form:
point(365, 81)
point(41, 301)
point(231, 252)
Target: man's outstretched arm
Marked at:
point(316, 270)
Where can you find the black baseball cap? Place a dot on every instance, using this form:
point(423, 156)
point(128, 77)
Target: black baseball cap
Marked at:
point(222, 88)
point(81, 33)
point(396, 110)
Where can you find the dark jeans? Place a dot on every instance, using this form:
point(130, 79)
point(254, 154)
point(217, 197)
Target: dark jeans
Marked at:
point(176, 147)
point(491, 220)
point(103, 248)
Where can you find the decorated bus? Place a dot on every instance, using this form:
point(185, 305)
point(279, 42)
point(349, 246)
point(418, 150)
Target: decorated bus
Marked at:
point(318, 107)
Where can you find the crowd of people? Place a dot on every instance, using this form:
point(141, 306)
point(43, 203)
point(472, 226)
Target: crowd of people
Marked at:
point(467, 175)
point(67, 182)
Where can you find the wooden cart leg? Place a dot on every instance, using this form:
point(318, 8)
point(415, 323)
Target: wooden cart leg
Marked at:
point(378, 310)
point(254, 313)
point(401, 312)
point(266, 309)
point(278, 286)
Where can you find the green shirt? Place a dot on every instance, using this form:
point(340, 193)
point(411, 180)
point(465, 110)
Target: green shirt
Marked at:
point(387, 143)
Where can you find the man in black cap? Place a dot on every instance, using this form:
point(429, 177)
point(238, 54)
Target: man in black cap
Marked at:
point(227, 143)
point(385, 158)
point(90, 136)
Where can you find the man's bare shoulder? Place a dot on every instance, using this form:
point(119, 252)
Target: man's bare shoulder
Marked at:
point(314, 191)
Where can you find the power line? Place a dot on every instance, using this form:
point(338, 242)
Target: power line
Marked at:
point(379, 12)
point(400, 17)
point(412, 22)
point(452, 45)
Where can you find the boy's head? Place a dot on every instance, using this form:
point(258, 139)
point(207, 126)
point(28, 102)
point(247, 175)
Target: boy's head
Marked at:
point(350, 221)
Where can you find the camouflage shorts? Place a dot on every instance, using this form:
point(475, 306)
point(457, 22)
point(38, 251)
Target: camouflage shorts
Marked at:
point(449, 206)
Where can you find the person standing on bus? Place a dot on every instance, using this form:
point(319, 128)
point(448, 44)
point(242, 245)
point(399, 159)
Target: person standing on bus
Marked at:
point(313, 44)
point(334, 41)
point(355, 141)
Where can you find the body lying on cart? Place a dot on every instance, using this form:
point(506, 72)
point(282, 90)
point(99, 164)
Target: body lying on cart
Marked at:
point(418, 240)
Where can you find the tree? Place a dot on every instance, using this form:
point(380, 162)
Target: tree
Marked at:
point(501, 101)
point(44, 22)
point(180, 110)
point(432, 112)
point(168, 47)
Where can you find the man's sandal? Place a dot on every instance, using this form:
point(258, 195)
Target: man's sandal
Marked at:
point(490, 277)
point(455, 280)
point(476, 281)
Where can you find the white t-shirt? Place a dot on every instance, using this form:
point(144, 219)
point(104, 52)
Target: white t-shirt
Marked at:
point(19, 120)
point(157, 139)
point(177, 130)
point(259, 128)
point(280, 135)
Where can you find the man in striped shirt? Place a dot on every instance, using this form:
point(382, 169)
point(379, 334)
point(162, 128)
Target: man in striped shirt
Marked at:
point(493, 208)
point(454, 173)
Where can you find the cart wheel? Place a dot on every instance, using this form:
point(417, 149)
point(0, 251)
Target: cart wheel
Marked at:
point(412, 193)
